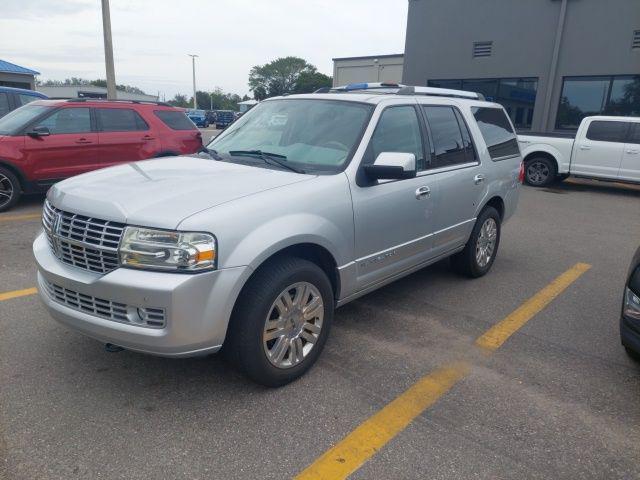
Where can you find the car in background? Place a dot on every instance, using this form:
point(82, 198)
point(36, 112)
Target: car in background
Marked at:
point(224, 118)
point(48, 140)
point(211, 117)
point(604, 148)
point(12, 98)
point(199, 117)
point(630, 317)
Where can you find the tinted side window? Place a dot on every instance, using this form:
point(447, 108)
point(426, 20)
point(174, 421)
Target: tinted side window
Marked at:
point(447, 139)
point(398, 130)
point(607, 131)
point(634, 135)
point(119, 120)
point(174, 120)
point(4, 104)
point(68, 120)
point(496, 131)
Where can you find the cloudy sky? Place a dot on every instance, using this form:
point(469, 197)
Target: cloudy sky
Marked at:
point(63, 38)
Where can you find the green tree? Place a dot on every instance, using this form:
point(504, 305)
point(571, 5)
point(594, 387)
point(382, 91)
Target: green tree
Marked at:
point(309, 82)
point(277, 77)
point(216, 100)
point(179, 100)
point(83, 82)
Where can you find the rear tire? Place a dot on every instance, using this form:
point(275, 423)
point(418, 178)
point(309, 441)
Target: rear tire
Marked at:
point(480, 251)
point(540, 172)
point(10, 190)
point(273, 343)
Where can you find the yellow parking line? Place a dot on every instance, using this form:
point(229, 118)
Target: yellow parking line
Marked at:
point(17, 293)
point(361, 444)
point(501, 331)
point(13, 218)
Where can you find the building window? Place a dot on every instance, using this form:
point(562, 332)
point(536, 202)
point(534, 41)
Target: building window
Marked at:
point(516, 95)
point(608, 95)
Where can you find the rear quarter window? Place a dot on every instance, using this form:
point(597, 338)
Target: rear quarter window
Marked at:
point(174, 120)
point(497, 132)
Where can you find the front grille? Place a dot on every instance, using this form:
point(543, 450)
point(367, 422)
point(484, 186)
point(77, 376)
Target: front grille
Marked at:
point(118, 312)
point(84, 242)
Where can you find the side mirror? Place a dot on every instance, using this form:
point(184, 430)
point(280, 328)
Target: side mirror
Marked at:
point(392, 166)
point(39, 132)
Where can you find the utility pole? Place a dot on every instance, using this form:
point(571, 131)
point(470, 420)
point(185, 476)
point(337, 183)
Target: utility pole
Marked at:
point(193, 66)
point(108, 51)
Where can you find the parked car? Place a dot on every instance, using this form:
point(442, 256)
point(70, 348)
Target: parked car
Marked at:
point(211, 117)
point(12, 98)
point(199, 117)
point(254, 244)
point(604, 148)
point(224, 118)
point(630, 318)
point(49, 140)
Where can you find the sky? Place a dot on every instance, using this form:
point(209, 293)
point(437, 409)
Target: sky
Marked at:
point(151, 38)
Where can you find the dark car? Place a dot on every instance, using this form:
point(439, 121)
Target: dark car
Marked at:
point(49, 140)
point(224, 118)
point(630, 318)
point(211, 117)
point(12, 98)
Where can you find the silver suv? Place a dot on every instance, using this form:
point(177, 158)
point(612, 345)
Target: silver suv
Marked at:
point(305, 203)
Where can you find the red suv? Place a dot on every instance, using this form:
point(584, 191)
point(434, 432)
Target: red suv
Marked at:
point(49, 140)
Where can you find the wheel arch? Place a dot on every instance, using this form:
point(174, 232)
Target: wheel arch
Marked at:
point(496, 202)
point(543, 154)
point(16, 171)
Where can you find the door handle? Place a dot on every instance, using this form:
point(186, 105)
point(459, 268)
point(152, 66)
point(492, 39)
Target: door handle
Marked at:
point(83, 140)
point(423, 192)
point(632, 151)
point(148, 137)
point(478, 179)
point(585, 147)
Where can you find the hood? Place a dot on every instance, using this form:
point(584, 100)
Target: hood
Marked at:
point(161, 193)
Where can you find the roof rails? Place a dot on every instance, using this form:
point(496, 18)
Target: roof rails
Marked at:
point(399, 89)
point(440, 92)
point(85, 99)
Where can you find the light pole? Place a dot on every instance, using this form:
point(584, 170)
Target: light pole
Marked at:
point(211, 101)
point(108, 51)
point(193, 65)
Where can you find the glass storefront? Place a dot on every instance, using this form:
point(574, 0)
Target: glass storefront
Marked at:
point(603, 95)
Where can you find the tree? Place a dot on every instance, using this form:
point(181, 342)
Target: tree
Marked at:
point(277, 77)
point(83, 82)
point(309, 82)
point(179, 100)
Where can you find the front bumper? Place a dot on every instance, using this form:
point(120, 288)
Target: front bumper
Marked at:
point(630, 334)
point(197, 306)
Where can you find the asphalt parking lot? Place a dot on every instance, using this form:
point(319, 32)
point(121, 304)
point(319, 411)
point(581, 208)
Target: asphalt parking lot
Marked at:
point(402, 391)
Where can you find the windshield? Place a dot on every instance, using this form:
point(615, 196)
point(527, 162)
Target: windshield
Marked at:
point(12, 122)
point(314, 134)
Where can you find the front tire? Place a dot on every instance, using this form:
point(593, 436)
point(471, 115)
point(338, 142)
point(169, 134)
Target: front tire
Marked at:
point(480, 251)
point(10, 190)
point(540, 172)
point(281, 321)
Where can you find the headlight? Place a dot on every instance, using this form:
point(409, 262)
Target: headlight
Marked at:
point(631, 307)
point(167, 250)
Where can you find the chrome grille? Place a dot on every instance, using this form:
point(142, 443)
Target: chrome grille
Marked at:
point(84, 242)
point(118, 312)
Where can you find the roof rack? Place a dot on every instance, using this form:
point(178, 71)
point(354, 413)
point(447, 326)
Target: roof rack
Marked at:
point(440, 92)
point(85, 99)
point(399, 89)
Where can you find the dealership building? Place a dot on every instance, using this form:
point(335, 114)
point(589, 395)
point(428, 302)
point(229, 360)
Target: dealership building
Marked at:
point(549, 62)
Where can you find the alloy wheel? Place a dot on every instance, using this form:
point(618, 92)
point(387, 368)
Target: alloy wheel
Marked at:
point(537, 172)
point(293, 325)
point(486, 244)
point(6, 190)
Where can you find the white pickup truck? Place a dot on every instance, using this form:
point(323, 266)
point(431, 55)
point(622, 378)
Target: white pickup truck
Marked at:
point(605, 148)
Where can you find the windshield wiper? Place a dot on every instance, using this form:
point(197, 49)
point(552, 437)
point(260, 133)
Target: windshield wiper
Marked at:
point(212, 153)
point(268, 158)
